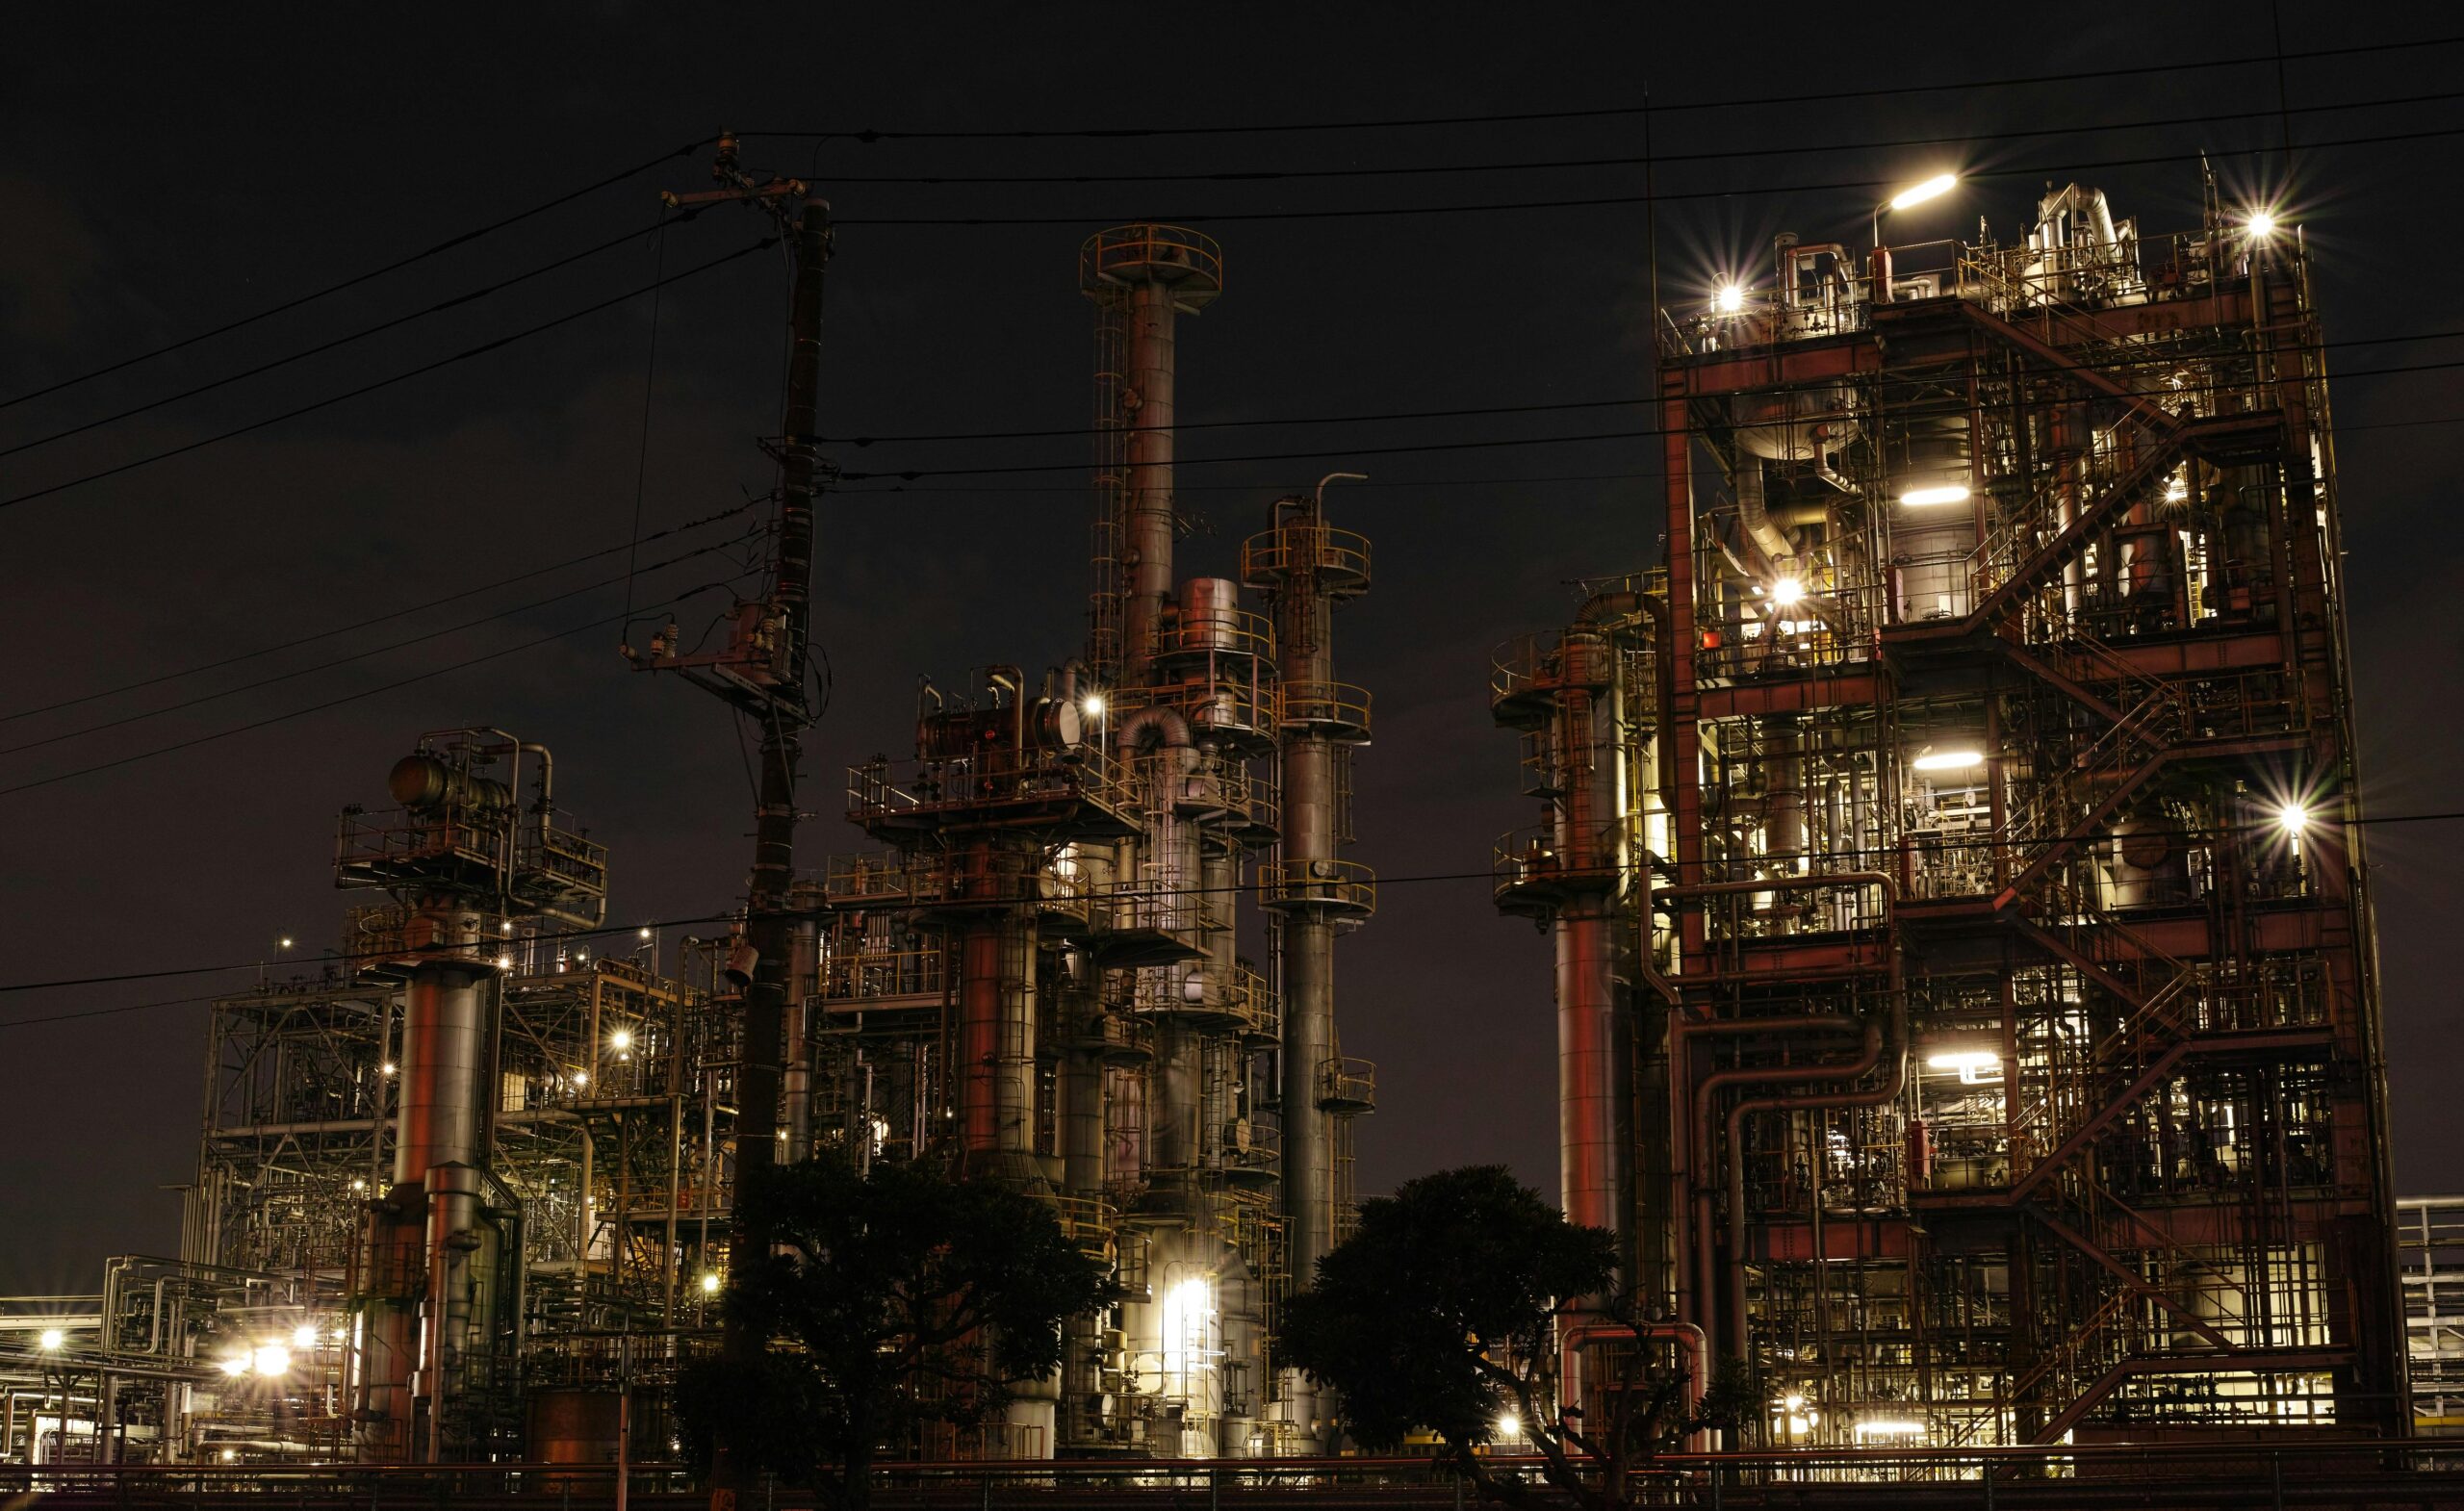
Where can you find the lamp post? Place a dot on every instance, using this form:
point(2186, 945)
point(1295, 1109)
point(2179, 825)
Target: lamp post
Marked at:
point(1934, 188)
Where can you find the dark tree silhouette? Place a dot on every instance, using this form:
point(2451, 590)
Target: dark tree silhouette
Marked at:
point(1441, 1311)
point(899, 1297)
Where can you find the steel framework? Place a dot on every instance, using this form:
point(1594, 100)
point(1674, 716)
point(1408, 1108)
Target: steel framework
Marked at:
point(1966, 978)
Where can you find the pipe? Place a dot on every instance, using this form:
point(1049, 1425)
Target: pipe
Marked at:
point(1754, 511)
point(1881, 1095)
point(1692, 1349)
point(1150, 447)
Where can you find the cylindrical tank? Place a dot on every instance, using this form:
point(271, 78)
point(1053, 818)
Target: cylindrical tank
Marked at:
point(1210, 616)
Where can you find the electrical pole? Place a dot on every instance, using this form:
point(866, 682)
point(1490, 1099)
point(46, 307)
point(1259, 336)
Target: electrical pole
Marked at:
point(762, 674)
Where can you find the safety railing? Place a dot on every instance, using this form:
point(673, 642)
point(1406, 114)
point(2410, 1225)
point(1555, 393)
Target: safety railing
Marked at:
point(2294, 1466)
point(1340, 887)
point(1337, 708)
point(1279, 554)
point(1346, 1084)
point(881, 791)
point(1222, 632)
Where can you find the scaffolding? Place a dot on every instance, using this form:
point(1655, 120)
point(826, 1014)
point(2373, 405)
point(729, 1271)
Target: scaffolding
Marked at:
point(1965, 954)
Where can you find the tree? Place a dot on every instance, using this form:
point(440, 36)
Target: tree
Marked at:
point(897, 1296)
point(1442, 1311)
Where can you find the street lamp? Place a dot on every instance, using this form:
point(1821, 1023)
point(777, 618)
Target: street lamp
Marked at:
point(1934, 188)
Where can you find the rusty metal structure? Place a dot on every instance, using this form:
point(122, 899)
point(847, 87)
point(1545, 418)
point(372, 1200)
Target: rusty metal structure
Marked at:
point(1965, 974)
point(1044, 972)
point(436, 1181)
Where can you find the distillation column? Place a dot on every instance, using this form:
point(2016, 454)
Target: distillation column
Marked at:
point(432, 1300)
point(1306, 569)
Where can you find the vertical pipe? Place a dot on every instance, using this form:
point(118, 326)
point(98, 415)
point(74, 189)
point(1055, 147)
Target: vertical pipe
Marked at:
point(1149, 544)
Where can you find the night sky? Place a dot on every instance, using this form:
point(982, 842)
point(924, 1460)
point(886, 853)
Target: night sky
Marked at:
point(165, 171)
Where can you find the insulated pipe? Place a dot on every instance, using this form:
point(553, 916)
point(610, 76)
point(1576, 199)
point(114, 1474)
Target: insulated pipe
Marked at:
point(1754, 514)
point(1151, 441)
point(1595, 1052)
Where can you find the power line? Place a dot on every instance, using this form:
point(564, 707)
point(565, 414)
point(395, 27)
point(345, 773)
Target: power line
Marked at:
point(1486, 874)
point(322, 347)
point(1790, 149)
point(862, 441)
point(364, 623)
point(1603, 201)
point(422, 638)
point(1648, 432)
point(2340, 428)
point(869, 136)
point(331, 400)
point(353, 282)
point(347, 697)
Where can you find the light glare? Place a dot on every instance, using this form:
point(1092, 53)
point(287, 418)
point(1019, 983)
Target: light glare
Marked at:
point(1932, 189)
point(1510, 1426)
point(271, 1360)
point(304, 1336)
point(1786, 591)
point(52, 1339)
point(709, 1282)
point(2292, 819)
point(234, 1365)
point(2262, 224)
point(1730, 299)
point(1953, 759)
point(1948, 492)
point(1091, 705)
point(622, 1039)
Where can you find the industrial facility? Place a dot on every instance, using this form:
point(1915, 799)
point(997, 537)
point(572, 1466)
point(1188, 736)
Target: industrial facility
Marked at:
point(1963, 978)
point(455, 1195)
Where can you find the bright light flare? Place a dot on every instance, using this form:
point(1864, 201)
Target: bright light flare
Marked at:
point(1934, 188)
point(1956, 758)
point(2292, 819)
point(234, 1365)
point(2261, 225)
point(385, 1069)
point(1891, 1427)
point(1730, 299)
point(1510, 1426)
point(51, 1340)
point(1091, 705)
point(271, 1360)
point(304, 1336)
point(1947, 493)
point(1787, 591)
point(622, 1039)
point(709, 1282)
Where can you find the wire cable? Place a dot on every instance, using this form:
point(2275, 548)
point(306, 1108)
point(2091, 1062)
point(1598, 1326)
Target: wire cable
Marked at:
point(347, 697)
point(331, 400)
point(1486, 874)
point(1788, 149)
point(1648, 432)
point(1606, 202)
point(1078, 431)
point(322, 347)
point(1259, 128)
point(379, 618)
point(423, 638)
point(353, 282)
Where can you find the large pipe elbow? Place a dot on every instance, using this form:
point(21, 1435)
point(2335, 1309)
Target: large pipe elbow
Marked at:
point(1154, 728)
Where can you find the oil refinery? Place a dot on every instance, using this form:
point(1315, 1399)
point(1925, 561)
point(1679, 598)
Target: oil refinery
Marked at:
point(1964, 979)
